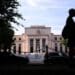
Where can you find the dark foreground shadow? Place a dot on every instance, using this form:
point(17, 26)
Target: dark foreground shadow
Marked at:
point(9, 59)
point(11, 63)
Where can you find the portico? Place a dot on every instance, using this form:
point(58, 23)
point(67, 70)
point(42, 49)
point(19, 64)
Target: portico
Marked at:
point(38, 43)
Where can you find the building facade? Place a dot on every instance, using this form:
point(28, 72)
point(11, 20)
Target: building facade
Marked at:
point(36, 38)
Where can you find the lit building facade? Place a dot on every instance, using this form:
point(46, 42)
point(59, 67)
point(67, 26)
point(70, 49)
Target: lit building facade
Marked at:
point(36, 38)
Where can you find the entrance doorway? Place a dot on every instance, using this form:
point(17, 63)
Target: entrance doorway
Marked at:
point(31, 46)
point(37, 45)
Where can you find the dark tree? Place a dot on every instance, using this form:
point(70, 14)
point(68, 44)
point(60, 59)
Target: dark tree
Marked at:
point(8, 13)
point(69, 32)
point(8, 10)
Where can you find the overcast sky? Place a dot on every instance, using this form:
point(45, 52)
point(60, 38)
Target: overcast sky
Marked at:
point(51, 13)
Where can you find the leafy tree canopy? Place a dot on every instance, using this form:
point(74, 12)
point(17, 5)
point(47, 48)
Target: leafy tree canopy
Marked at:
point(8, 10)
point(8, 13)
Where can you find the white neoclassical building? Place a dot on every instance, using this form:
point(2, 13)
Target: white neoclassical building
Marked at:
point(36, 38)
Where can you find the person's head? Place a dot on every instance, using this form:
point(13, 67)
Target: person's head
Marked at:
point(72, 12)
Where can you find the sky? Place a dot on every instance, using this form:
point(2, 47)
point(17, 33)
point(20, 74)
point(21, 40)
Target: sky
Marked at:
point(50, 13)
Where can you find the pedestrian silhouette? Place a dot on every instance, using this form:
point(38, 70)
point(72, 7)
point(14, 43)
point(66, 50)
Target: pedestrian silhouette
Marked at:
point(69, 32)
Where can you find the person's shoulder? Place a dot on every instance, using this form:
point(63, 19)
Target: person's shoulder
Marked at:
point(69, 19)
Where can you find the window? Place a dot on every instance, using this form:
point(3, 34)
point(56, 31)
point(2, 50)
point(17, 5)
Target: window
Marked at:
point(56, 47)
point(14, 48)
point(14, 39)
point(60, 38)
point(19, 49)
point(55, 44)
point(19, 38)
point(55, 38)
point(60, 47)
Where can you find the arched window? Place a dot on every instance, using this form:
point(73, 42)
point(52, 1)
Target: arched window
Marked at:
point(14, 48)
point(56, 47)
point(14, 39)
point(19, 49)
point(60, 47)
point(60, 38)
point(19, 38)
point(55, 38)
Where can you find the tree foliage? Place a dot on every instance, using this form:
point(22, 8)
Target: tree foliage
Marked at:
point(8, 13)
point(8, 10)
